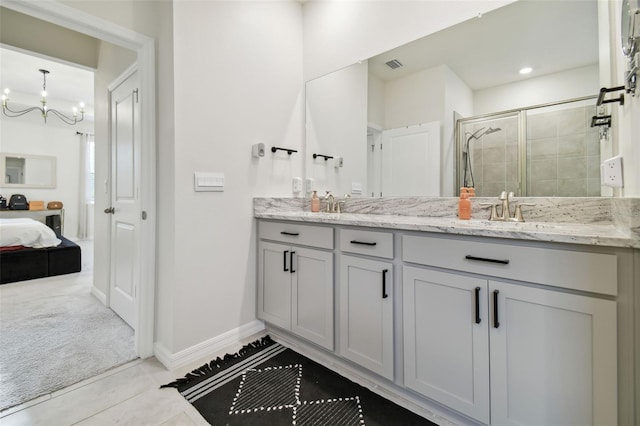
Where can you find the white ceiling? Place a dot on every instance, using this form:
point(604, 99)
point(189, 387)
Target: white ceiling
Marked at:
point(488, 51)
point(549, 36)
point(69, 84)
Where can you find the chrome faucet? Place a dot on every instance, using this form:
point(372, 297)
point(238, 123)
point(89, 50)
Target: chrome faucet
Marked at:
point(331, 202)
point(505, 213)
point(338, 208)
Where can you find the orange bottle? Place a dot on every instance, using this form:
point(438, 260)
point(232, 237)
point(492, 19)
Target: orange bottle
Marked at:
point(315, 202)
point(464, 206)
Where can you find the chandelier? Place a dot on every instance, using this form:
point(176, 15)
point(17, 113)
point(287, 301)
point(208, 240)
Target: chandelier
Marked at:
point(44, 110)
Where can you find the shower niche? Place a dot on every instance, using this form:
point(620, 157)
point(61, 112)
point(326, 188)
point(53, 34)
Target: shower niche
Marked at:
point(542, 151)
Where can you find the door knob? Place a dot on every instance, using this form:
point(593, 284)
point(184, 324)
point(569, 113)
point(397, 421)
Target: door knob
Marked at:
point(110, 210)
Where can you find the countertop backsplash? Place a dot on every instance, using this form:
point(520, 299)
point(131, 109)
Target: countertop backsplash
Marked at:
point(592, 221)
point(582, 210)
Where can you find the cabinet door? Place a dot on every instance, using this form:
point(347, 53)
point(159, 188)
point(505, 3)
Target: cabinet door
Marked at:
point(312, 296)
point(274, 284)
point(446, 342)
point(366, 313)
point(553, 358)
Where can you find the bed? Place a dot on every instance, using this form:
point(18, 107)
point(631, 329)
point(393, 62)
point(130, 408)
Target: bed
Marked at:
point(29, 249)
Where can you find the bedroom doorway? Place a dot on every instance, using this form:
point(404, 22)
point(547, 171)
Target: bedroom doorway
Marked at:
point(76, 20)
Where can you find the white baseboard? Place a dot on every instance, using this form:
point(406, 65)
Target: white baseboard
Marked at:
point(206, 349)
point(99, 294)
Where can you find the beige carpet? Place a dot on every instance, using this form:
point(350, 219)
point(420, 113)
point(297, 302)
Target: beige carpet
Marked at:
point(54, 333)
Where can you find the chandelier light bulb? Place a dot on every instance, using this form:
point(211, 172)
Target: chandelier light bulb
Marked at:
point(68, 119)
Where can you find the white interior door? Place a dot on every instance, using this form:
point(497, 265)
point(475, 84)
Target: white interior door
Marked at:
point(411, 161)
point(125, 199)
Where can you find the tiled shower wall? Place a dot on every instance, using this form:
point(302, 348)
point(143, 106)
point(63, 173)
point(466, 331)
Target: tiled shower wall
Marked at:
point(563, 152)
point(563, 155)
point(494, 157)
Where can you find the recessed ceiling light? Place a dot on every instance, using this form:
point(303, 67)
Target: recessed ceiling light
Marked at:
point(526, 70)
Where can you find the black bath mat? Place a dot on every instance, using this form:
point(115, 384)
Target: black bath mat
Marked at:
point(268, 384)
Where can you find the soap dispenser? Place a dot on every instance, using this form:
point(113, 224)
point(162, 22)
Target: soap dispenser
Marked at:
point(315, 202)
point(464, 205)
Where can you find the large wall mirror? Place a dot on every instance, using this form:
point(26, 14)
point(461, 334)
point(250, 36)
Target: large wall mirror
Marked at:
point(390, 123)
point(27, 171)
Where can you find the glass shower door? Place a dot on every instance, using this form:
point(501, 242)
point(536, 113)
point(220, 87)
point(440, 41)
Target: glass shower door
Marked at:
point(489, 158)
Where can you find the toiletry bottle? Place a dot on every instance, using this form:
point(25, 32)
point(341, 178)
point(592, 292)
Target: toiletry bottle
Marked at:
point(315, 202)
point(464, 206)
point(471, 191)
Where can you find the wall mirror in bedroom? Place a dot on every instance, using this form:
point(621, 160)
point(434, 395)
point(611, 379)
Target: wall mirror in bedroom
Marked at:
point(391, 120)
point(27, 171)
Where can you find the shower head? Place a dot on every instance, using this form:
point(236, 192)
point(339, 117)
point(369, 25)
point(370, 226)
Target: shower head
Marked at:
point(491, 130)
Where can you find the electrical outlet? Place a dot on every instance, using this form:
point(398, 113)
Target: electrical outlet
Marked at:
point(297, 184)
point(310, 184)
point(613, 172)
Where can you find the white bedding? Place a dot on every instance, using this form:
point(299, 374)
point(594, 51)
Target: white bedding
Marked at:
point(26, 232)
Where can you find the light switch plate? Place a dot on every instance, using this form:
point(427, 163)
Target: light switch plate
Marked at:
point(208, 182)
point(613, 172)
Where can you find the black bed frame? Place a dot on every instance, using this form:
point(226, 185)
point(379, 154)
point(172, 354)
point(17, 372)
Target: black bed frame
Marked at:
point(30, 263)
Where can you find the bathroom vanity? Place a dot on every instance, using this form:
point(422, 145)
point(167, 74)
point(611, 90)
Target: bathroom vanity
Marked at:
point(470, 321)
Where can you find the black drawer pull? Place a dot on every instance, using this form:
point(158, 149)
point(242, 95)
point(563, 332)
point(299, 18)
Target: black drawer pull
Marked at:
point(485, 259)
point(284, 257)
point(291, 261)
point(384, 283)
point(293, 234)
point(496, 323)
point(364, 243)
point(478, 319)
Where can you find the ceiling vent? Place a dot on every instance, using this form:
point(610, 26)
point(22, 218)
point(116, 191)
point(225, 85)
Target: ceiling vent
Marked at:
point(394, 64)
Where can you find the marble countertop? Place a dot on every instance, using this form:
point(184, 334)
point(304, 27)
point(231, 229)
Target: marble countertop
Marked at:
point(573, 233)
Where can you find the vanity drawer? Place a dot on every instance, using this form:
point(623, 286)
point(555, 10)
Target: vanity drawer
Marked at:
point(293, 233)
point(593, 272)
point(379, 244)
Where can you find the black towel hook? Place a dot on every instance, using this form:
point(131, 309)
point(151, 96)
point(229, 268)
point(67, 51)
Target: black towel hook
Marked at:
point(289, 150)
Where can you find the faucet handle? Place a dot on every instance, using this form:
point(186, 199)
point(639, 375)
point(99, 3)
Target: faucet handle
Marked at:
point(493, 215)
point(517, 216)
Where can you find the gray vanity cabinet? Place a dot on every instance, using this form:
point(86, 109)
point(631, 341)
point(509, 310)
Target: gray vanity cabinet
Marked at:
point(366, 313)
point(509, 353)
point(295, 283)
point(446, 340)
point(366, 299)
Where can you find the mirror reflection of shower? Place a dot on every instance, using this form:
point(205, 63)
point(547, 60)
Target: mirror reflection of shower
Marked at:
point(468, 180)
point(539, 151)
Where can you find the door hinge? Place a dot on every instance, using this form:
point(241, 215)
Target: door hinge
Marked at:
point(144, 215)
point(135, 92)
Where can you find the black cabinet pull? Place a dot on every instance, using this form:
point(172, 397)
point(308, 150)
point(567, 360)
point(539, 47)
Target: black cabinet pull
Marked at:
point(293, 234)
point(284, 258)
point(478, 319)
point(291, 261)
point(486, 259)
point(496, 323)
point(384, 283)
point(364, 243)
